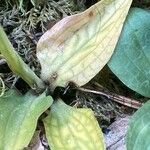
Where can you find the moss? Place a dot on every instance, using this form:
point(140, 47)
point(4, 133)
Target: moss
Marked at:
point(25, 21)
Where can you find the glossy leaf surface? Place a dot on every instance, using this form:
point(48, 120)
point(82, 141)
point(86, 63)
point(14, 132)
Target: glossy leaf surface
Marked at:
point(79, 46)
point(131, 60)
point(69, 128)
point(18, 118)
point(139, 129)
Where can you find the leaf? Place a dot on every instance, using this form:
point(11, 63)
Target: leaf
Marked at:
point(131, 60)
point(18, 118)
point(79, 46)
point(139, 129)
point(16, 63)
point(69, 128)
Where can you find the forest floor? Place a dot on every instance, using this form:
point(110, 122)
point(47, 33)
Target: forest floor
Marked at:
point(24, 25)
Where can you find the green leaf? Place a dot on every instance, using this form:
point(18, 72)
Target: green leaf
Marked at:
point(69, 128)
point(79, 46)
point(131, 60)
point(18, 118)
point(138, 134)
point(16, 64)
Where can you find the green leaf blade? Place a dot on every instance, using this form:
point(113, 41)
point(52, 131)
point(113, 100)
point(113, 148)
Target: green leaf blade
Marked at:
point(131, 59)
point(18, 118)
point(69, 128)
point(16, 64)
point(139, 129)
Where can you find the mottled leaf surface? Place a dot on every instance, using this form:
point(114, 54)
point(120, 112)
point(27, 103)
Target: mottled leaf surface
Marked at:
point(18, 118)
point(78, 46)
point(69, 128)
point(138, 135)
point(131, 60)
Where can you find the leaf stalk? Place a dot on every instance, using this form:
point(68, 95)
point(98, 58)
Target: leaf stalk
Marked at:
point(16, 63)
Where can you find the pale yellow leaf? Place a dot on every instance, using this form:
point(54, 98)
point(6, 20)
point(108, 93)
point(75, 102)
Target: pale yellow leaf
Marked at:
point(69, 128)
point(79, 46)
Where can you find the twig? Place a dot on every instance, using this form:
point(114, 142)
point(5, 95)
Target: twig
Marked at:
point(117, 98)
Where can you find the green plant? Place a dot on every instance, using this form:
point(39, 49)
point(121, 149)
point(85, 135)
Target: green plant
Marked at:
point(131, 64)
point(75, 49)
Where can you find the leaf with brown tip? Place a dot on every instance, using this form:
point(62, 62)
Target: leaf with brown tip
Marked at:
point(78, 47)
